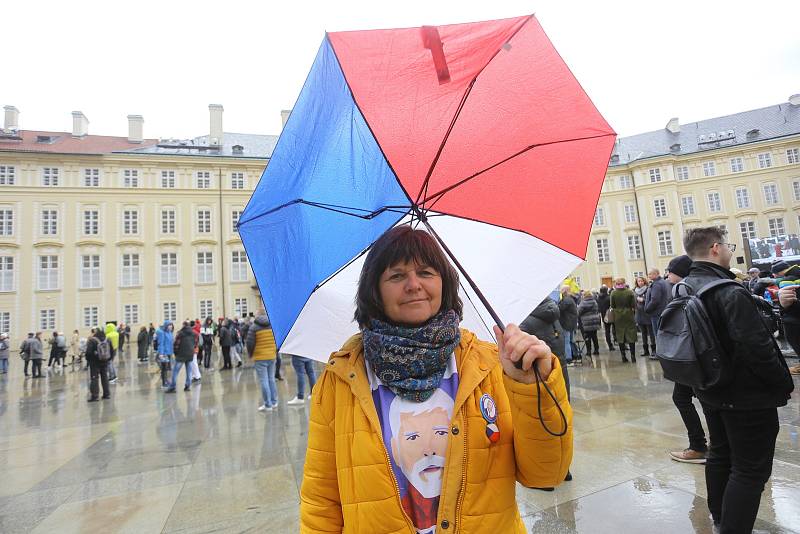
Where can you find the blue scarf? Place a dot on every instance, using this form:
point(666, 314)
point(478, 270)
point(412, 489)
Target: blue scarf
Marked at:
point(411, 361)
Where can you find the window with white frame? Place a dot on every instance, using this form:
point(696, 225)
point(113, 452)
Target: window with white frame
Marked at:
point(709, 168)
point(205, 267)
point(776, 227)
point(91, 316)
point(8, 176)
point(91, 177)
point(90, 271)
point(793, 155)
point(687, 205)
point(682, 173)
point(742, 198)
point(130, 314)
point(170, 311)
point(130, 178)
point(603, 252)
point(50, 176)
point(655, 175)
point(660, 207)
point(91, 222)
point(168, 179)
point(48, 272)
point(634, 247)
point(47, 319)
point(203, 221)
point(131, 273)
point(737, 164)
point(49, 222)
point(168, 221)
point(771, 196)
point(723, 227)
point(237, 180)
point(238, 266)
point(235, 216)
point(748, 230)
point(714, 202)
point(240, 307)
point(638, 274)
point(168, 274)
point(6, 222)
point(764, 160)
point(796, 190)
point(5, 321)
point(203, 179)
point(599, 216)
point(6, 274)
point(630, 213)
point(130, 222)
point(625, 182)
point(665, 243)
point(206, 308)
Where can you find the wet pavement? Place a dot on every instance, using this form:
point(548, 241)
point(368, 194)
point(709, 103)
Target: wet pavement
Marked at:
point(208, 461)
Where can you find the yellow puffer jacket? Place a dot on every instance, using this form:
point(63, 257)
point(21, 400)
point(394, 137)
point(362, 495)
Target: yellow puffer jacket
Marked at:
point(348, 485)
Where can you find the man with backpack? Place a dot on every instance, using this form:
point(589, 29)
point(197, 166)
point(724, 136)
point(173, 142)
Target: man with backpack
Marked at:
point(98, 356)
point(741, 407)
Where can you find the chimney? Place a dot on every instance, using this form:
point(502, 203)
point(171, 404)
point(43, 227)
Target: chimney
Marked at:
point(673, 126)
point(793, 100)
point(285, 117)
point(135, 128)
point(215, 133)
point(80, 124)
point(12, 118)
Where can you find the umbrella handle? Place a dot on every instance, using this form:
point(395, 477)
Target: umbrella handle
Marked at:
point(518, 364)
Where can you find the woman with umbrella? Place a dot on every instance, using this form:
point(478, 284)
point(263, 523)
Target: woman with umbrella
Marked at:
point(416, 424)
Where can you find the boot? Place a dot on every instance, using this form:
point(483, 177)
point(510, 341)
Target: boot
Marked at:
point(646, 351)
point(624, 358)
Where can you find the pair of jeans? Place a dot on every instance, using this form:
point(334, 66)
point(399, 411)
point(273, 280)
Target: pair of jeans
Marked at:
point(568, 335)
point(37, 367)
point(164, 372)
point(682, 398)
point(206, 354)
point(648, 338)
point(278, 366)
point(304, 367)
point(265, 369)
point(177, 369)
point(655, 322)
point(4, 365)
point(739, 464)
point(607, 327)
point(99, 371)
point(590, 337)
point(226, 358)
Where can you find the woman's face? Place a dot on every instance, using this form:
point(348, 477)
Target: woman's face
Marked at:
point(411, 293)
point(640, 282)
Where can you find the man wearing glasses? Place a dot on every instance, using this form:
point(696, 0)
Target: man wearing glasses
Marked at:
point(742, 414)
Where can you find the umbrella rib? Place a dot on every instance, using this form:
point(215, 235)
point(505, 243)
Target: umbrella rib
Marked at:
point(438, 195)
point(424, 188)
point(332, 207)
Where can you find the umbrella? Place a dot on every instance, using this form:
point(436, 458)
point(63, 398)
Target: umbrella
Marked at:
point(476, 132)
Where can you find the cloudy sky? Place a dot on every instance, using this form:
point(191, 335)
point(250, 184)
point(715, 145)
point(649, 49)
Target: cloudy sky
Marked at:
point(641, 62)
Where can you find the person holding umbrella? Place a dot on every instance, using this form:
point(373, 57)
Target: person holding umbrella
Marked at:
point(441, 424)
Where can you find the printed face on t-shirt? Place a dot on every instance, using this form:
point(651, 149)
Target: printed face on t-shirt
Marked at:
point(419, 448)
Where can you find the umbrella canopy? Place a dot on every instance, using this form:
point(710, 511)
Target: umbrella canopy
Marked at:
point(478, 129)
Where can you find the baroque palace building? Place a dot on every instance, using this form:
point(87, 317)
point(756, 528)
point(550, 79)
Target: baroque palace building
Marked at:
point(741, 172)
point(99, 228)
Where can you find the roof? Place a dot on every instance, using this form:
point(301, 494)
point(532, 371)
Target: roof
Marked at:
point(64, 143)
point(772, 122)
point(253, 146)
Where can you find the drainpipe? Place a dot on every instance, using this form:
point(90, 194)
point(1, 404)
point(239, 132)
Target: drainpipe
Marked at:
point(639, 221)
point(222, 243)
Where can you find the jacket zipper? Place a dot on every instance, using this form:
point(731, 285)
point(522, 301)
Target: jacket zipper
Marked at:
point(396, 486)
point(460, 501)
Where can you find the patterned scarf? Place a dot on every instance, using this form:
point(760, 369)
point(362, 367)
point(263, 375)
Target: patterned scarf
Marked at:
point(411, 361)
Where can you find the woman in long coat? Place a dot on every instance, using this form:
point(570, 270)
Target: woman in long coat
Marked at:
point(416, 424)
point(623, 302)
point(642, 318)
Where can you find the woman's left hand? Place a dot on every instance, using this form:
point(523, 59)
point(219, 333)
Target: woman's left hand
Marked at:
point(515, 345)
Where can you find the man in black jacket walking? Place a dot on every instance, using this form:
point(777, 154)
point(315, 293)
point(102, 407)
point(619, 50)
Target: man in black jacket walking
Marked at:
point(742, 415)
point(98, 370)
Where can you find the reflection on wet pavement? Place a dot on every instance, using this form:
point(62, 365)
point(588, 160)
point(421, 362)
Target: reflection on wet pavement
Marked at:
point(208, 461)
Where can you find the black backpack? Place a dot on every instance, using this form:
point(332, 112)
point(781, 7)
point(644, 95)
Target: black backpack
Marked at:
point(103, 351)
point(687, 346)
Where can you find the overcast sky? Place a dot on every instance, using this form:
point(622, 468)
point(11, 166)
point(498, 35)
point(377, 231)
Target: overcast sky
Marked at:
point(641, 62)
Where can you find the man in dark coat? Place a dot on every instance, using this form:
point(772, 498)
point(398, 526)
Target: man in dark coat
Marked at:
point(742, 415)
point(568, 310)
point(657, 298)
point(225, 342)
point(185, 347)
point(97, 369)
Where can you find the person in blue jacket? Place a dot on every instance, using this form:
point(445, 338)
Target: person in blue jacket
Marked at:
point(164, 340)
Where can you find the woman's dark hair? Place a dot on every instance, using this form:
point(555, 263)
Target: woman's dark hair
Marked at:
point(399, 245)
